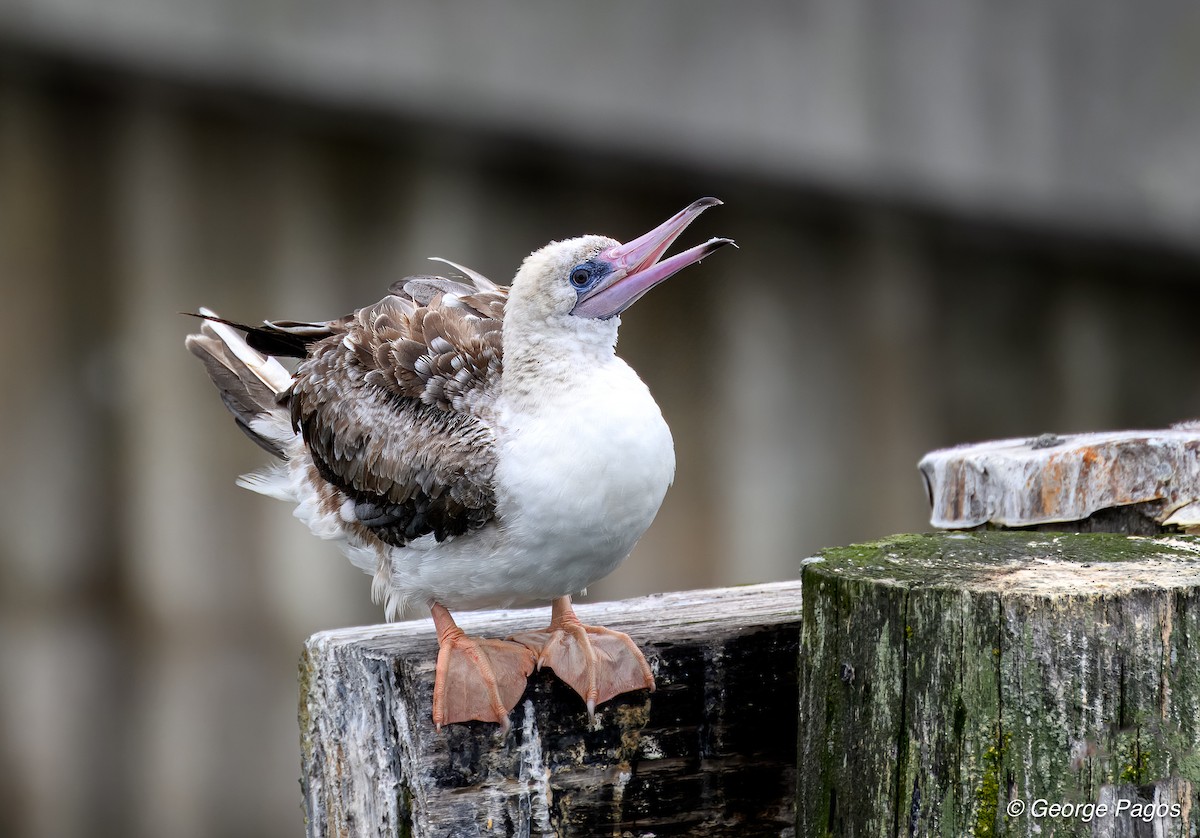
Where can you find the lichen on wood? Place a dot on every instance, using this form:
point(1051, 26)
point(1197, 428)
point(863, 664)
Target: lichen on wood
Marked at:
point(944, 676)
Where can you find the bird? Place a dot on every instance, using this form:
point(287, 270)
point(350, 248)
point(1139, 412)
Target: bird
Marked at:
point(470, 446)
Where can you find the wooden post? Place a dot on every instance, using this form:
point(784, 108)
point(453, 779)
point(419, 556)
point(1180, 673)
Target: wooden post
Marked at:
point(711, 752)
point(964, 683)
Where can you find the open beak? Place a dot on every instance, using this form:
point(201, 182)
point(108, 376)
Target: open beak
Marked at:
point(635, 266)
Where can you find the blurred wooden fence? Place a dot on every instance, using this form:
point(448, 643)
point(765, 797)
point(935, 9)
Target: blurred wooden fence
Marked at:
point(966, 222)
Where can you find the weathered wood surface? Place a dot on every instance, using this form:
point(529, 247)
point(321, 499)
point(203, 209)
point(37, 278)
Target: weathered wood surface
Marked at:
point(1130, 481)
point(711, 752)
point(947, 677)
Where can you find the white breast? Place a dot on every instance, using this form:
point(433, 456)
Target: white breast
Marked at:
point(581, 477)
point(582, 472)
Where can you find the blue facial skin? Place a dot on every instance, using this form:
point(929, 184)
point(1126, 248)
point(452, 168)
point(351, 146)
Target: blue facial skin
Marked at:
point(584, 276)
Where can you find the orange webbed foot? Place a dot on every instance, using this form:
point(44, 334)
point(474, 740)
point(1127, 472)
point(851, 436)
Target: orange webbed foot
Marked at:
point(476, 678)
point(598, 663)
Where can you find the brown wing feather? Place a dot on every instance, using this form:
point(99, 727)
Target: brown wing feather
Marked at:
point(394, 406)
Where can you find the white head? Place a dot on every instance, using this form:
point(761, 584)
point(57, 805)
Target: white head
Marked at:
point(571, 292)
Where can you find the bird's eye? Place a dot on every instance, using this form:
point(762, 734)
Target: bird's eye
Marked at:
point(580, 277)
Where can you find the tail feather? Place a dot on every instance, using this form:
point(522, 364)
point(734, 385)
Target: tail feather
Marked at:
point(282, 338)
point(249, 382)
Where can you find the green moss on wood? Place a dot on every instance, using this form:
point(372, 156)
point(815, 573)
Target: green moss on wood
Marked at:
point(1091, 671)
point(1135, 768)
point(307, 674)
point(957, 557)
point(987, 796)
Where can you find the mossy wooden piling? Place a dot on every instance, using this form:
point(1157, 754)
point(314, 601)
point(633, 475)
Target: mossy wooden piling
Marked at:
point(960, 683)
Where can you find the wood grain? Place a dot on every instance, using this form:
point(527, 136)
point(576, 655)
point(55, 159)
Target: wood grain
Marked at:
point(711, 752)
point(945, 676)
point(1141, 482)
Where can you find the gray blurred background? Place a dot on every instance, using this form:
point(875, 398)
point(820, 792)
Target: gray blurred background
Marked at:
point(958, 220)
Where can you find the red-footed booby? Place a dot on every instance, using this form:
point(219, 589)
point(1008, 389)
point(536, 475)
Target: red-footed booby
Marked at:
point(474, 446)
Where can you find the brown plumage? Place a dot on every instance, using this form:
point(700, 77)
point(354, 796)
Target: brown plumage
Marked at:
point(392, 401)
point(244, 392)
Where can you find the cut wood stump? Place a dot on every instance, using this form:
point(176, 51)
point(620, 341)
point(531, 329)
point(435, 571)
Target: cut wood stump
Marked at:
point(1139, 482)
point(964, 683)
point(710, 752)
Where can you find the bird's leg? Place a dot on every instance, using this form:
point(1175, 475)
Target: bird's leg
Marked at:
point(596, 662)
point(476, 678)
